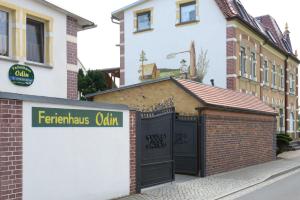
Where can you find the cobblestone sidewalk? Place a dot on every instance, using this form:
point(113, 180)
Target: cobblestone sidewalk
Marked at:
point(217, 186)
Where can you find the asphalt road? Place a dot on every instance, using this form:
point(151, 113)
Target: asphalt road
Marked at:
point(287, 188)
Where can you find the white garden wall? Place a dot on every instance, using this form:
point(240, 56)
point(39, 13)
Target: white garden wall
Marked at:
point(74, 163)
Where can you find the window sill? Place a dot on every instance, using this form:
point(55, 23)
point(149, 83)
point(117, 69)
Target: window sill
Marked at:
point(9, 59)
point(187, 23)
point(36, 64)
point(142, 31)
point(292, 94)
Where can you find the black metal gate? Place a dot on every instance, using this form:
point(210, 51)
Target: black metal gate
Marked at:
point(155, 161)
point(186, 143)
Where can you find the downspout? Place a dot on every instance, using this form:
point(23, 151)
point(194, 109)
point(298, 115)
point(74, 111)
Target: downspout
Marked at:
point(285, 94)
point(262, 60)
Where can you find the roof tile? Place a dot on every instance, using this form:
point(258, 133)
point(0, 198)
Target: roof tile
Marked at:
point(225, 98)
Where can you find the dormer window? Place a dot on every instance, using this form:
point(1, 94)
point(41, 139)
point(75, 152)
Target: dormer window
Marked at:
point(144, 21)
point(188, 12)
point(271, 36)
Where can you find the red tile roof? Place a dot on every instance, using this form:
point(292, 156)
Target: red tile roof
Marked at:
point(220, 97)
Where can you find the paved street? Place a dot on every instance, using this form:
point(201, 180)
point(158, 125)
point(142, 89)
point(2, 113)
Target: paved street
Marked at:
point(287, 188)
point(223, 185)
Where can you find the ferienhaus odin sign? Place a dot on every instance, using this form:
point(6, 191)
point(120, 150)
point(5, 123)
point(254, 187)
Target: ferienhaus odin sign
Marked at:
point(21, 75)
point(56, 117)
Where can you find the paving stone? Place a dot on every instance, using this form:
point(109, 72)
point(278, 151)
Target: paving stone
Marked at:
point(216, 186)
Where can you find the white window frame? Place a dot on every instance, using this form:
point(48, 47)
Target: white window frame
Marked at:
point(266, 71)
point(274, 75)
point(292, 84)
point(243, 61)
point(292, 121)
point(10, 52)
point(281, 77)
point(281, 118)
point(253, 65)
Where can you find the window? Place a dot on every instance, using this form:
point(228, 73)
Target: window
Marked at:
point(143, 21)
point(273, 75)
point(292, 122)
point(35, 41)
point(266, 72)
point(292, 84)
point(3, 33)
point(243, 61)
point(188, 12)
point(281, 118)
point(282, 78)
point(253, 65)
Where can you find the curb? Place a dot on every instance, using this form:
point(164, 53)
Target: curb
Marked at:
point(260, 182)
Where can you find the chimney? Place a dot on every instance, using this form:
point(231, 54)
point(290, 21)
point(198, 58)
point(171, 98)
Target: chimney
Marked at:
point(212, 82)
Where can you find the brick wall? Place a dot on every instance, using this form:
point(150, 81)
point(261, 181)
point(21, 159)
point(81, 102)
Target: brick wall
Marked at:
point(72, 87)
point(72, 26)
point(235, 140)
point(231, 83)
point(71, 53)
point(72, 91)
point(132, 152)
point(10, 149)
point(231, 58)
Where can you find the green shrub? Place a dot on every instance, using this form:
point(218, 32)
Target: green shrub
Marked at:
point(283, 141)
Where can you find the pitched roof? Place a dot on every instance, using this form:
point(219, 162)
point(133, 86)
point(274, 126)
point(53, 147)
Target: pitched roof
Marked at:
point(82, 22)
point(209, 96)
point(215, 96)
point(265, 25)
point(234, 9)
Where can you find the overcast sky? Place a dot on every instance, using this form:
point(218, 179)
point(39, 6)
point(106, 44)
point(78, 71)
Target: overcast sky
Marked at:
point(97, 47)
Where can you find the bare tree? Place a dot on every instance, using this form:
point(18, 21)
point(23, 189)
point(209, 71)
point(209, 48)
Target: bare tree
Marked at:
point(202, 66)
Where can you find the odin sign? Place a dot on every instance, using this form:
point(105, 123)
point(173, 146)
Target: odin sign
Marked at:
point(56, 117)
point(21, 75)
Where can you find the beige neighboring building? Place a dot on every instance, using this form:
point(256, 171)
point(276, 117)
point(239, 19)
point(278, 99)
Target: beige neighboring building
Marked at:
point(261, 62)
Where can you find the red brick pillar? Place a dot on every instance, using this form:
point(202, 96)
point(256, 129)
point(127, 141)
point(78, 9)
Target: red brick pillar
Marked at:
point(132, 152)
point(122, 50)
point(10, 149)
point(72, 68)
point(231, 58)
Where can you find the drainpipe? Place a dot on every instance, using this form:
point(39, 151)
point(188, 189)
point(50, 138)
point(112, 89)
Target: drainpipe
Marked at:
point(285, 94)
point(261, 73)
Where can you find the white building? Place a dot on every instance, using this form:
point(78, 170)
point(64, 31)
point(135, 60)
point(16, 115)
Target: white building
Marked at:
point(160, 28)
point(38, 36)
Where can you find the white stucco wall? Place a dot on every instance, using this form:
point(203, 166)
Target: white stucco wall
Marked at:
point(74, 163)
point(209, 34)
point(48, 82)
